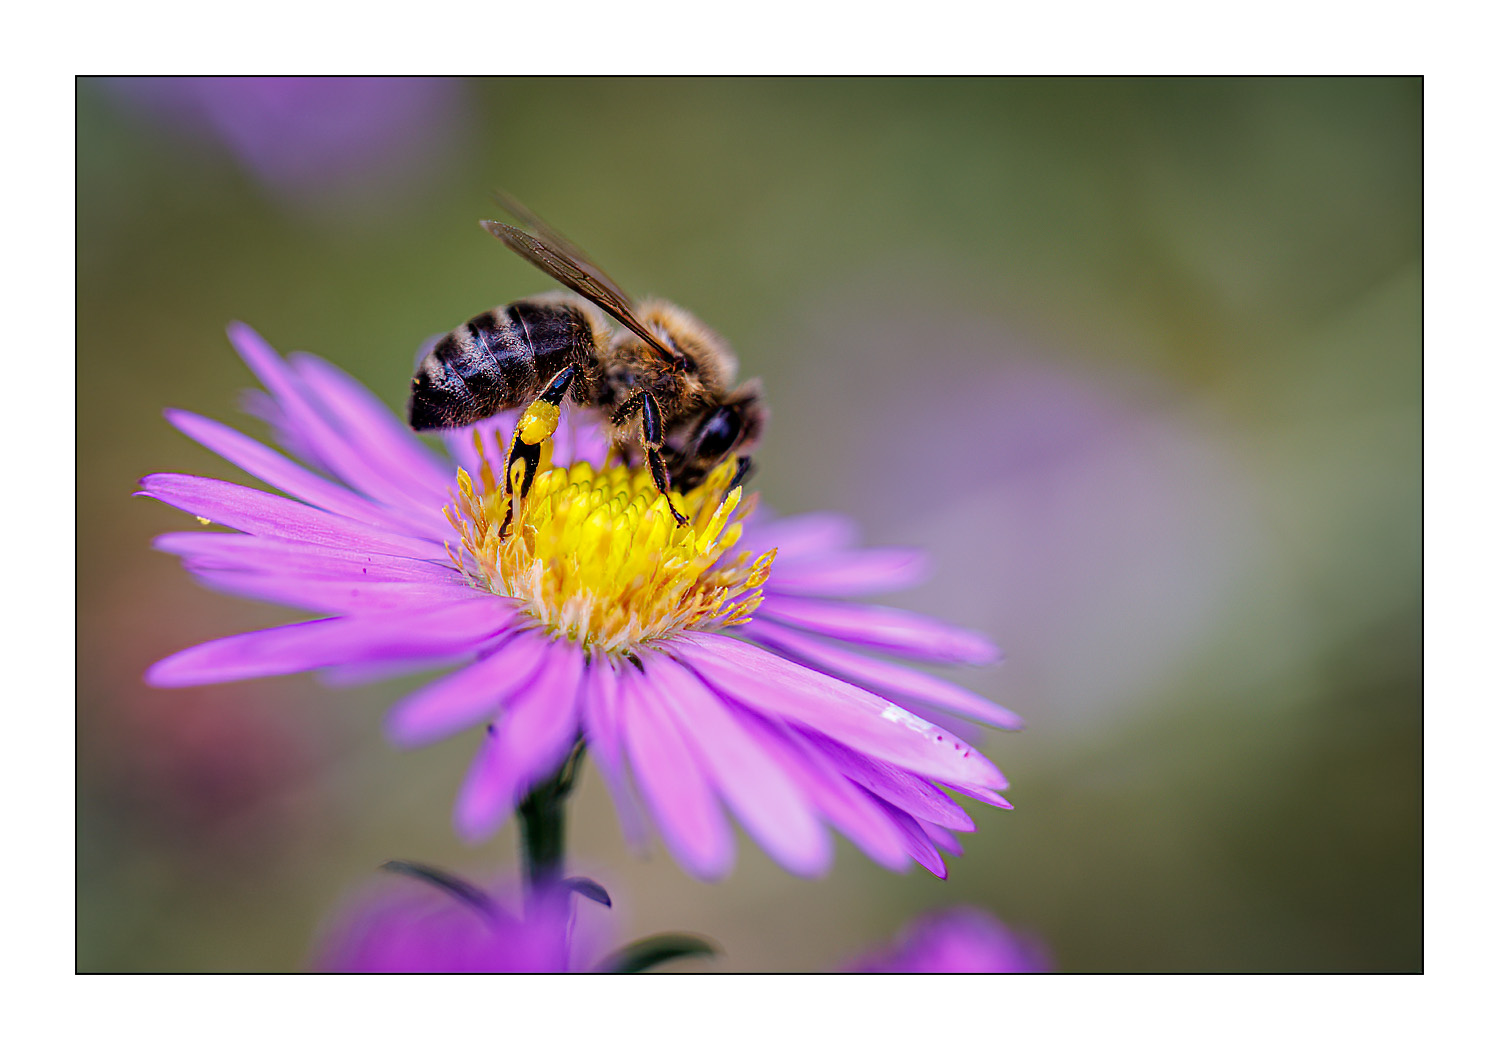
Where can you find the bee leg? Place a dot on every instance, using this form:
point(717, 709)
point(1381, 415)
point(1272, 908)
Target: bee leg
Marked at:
point(662, 479)
point(651, 439)
point(627, 408)
point(537, 423)
point(741, 471)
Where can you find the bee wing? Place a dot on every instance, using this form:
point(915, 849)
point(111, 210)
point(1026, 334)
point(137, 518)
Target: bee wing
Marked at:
point(529, 220)
point(555, 256)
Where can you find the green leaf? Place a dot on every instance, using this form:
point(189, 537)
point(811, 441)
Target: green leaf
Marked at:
point(641, 955)
point(466, 892)
point(585, 887)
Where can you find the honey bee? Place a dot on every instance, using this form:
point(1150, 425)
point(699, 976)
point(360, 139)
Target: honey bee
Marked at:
point(663, 366)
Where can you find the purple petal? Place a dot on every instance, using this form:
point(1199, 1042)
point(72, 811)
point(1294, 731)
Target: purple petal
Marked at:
point(671, 779)
point(467, 697)
point(766, 800)
point(946, 721)
point(366, 415)
point(260, 405)
point(800, 536)
point(525, 746)
point(599, 700)
point(850, 573)
point(334, 596)
point(843, 712)
point(263, 514)
point(491, 431)
point(847, 807)
point(237, 551)
point(579, 437)
point(357, 463)
point(368, 671)
point(993, 798)
point(881, 676)
point(894, 630)
point(451, 628)
point(897, 787)
point(942, 838)
point(917, 843)
point(956, 940)
point(293, 479)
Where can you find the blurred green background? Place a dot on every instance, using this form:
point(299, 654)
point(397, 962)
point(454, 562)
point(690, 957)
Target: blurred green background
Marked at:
point(1137, 360)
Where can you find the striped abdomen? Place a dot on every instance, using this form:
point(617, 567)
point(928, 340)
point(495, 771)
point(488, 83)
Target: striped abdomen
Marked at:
point(497, 360)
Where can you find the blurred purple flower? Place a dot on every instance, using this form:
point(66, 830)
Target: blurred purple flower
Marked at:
point(312, 136)
point(956, 940)
point(596, 618)
point(1118, 516)
point(402, 925)
point(220, 780)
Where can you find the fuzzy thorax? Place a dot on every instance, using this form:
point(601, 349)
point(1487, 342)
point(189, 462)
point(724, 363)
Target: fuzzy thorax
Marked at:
point(596, 556)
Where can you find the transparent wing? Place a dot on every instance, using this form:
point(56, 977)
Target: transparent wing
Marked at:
point(527, 219)
point(554, 255)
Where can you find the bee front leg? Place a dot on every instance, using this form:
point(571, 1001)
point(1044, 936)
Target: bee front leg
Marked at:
point(651, 439)
point(742, 470)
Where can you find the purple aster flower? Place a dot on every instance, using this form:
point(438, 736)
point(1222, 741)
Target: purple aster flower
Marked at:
point(440, 924)
point(594, 618)
point(435, 922)
point(313, 137)
point(956, 940)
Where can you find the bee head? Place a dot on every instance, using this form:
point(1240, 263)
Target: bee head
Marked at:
point(731, 426)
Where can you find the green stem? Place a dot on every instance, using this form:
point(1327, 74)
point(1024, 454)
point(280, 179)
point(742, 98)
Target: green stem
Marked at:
point(543, 824)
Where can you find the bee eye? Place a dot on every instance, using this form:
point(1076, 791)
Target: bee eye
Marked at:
point(718, 433)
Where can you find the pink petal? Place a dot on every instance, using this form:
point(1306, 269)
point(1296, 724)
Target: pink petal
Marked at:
point(599, 701)
point(263, 514)
point(354, 459)
point(447, 629)
point(800, 536)
point(949, 723)
point(846, 574)
point(882, 676)
point(847, 807)
point(238, 551)
point(460, 442)
point(334, 596)
point(942, 838)
point(843, 712)
point(896, 786)
point(758, 790)
point(917, 843)
point(579, 437)
point(260, 405)
point(994, 798)
point(368, 671)
point(895, 630)
point(362, 413)
point(671, 778)
point(293, 479)
point(469, 696)
point(525, 746)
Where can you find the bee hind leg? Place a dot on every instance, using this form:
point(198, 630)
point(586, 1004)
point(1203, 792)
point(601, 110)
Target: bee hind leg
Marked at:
point(537, 423)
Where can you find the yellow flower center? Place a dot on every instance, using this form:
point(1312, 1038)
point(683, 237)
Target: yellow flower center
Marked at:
point(597, 557)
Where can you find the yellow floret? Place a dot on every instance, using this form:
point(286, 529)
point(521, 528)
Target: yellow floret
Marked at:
point(597, 557)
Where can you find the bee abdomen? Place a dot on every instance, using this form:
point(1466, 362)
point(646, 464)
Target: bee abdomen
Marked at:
point(497, 360)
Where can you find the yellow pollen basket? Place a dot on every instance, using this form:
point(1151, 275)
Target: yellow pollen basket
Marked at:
point(539, 422)
point(597, 557)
